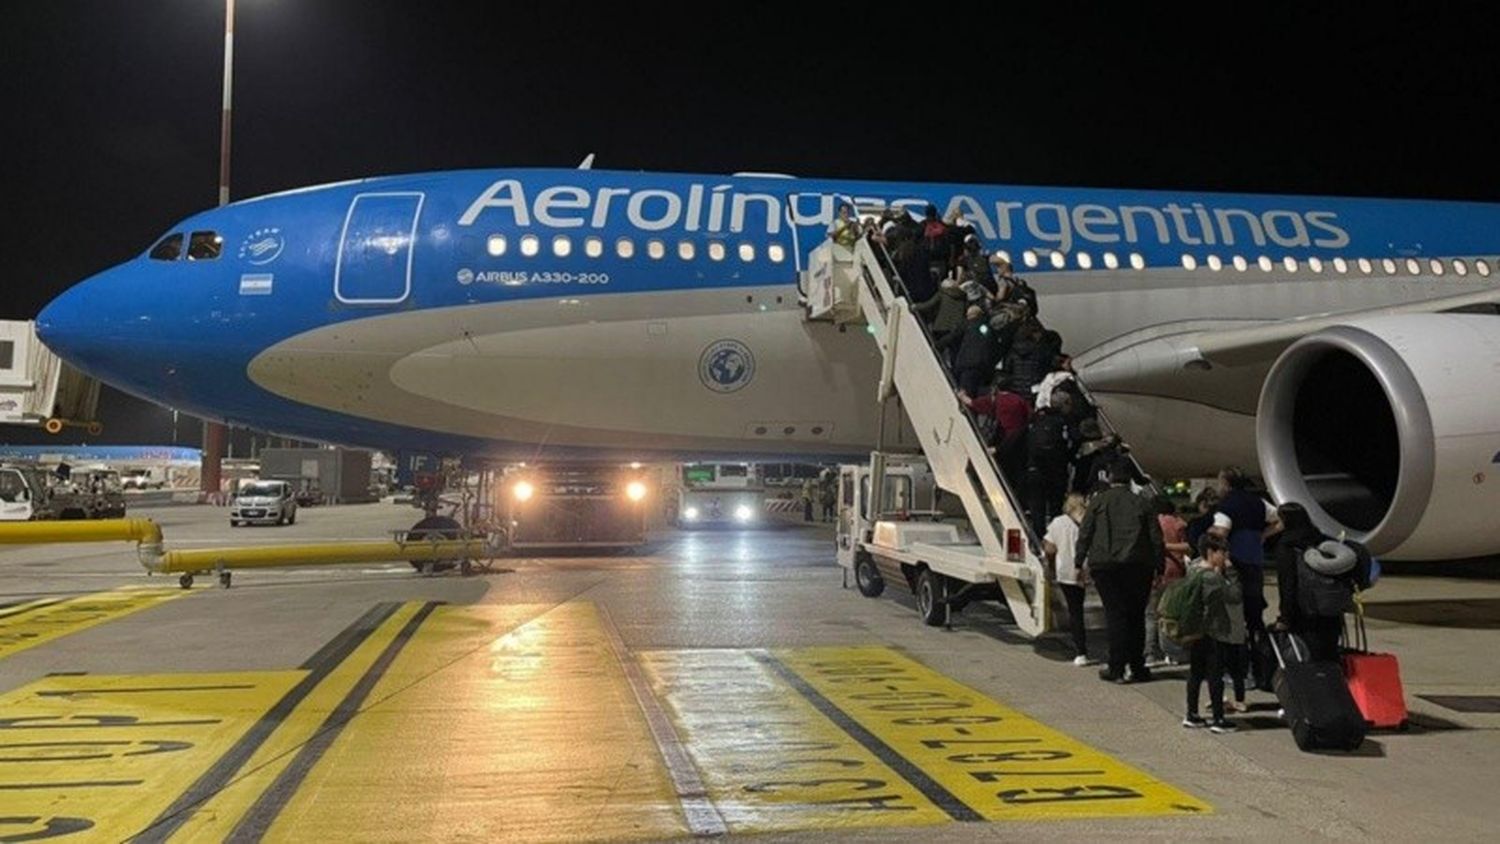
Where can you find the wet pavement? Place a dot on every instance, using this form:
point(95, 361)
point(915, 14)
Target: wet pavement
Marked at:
point(711, 683)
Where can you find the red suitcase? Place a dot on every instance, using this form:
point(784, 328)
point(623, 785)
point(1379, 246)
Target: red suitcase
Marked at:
point(1374, 680)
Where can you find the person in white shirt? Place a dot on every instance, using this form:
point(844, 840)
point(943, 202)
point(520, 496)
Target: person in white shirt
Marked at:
point(1060, 545)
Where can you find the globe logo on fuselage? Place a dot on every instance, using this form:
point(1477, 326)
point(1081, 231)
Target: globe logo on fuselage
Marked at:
point(726, 366)
point(263, 246)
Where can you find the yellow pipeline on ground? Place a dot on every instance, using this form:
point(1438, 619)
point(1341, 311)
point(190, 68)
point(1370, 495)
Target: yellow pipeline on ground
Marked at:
point(330, 553)
point(105, 530)
point(147, 534)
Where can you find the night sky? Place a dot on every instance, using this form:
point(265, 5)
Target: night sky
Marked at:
point(111, 108)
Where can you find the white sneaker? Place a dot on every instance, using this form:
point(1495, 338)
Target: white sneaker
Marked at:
point(1082, 661)
point(1157, 662)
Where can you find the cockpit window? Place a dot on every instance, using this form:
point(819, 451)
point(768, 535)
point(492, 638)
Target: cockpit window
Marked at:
point(168, 249)
point(205, 246)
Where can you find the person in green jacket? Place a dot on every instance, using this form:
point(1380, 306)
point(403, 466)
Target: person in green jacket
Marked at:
point(1223, 632)
point(944, 311)
point(1120, 542)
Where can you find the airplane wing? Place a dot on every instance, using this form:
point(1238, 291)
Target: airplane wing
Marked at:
point(1262, 343)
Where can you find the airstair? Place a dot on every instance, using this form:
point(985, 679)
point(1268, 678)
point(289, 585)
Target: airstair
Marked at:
point(38, 388)
point(998, 556)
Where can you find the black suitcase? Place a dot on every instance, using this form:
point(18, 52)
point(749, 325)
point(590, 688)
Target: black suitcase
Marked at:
point(1316, 700)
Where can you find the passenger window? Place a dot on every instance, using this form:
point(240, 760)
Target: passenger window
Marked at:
point(495, 245)
point(1341, 265)
point(1413, 266)
point(776, 252)
point(1240, 264)
point(1460, 267)
point(1085, 261)
point(1029, 258)
point(1290, 263)
point(1388, 265)
point(205, 246)
point(530, 245)
point(747, 252)
point(625, 247)
point(715, 250)
point(1189, 262)
point(1264, 262)
point(1136, 261)
point(1215, 263)
point(686, 250)
point(1436, 266)
point(168, 248)
point(1365, 266)
point(593, 247)
point(1315, 264)
point(1058, 260)
point(656, 249)
point(562, 246)
point(1481, 267)
point(1110, 261)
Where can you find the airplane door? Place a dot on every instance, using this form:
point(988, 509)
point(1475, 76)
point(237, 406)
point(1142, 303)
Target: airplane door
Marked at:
point(376, 248)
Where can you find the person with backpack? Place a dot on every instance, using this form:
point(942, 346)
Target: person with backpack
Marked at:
point(935, 238)
point(1011, 415)
point(1174, 567)
point(973, 352)
point(1049, 451)
point(944, 310)
point(1316, 579)
point(1221, 630)
point(1120, 542)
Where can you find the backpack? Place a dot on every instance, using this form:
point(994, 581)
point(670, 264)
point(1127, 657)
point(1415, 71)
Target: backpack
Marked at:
point(1180, 612)
point(1048, 442)
point(1322, 595)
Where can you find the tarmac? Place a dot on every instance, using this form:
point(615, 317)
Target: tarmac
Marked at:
point(709, 683)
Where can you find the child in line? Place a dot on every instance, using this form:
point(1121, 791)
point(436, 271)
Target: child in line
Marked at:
point(1223, 632)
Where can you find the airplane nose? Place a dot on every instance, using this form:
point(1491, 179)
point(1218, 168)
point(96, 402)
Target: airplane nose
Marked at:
point(90, 326)
point(66, 328)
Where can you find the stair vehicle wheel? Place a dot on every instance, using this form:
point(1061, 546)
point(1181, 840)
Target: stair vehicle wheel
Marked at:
point(186, 581)
point(867, 578)
point(931, 599)
point(438, 527)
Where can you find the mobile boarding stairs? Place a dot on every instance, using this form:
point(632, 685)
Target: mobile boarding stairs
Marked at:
point(947, 564)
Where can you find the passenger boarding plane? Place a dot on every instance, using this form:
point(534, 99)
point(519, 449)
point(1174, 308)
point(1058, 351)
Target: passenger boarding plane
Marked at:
point(558, 314)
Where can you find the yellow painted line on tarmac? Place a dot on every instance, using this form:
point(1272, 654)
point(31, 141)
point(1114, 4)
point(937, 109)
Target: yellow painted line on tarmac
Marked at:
point(1000, 763)
point(100, 756)
point(494, 723)
point(771, 761)
point(222, 805)
point(35, 623)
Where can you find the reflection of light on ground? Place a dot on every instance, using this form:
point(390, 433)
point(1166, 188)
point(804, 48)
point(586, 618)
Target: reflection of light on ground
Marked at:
point(518, 655)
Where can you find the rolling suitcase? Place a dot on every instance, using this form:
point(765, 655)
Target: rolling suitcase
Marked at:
point(1374, 681)
point(1317, 703)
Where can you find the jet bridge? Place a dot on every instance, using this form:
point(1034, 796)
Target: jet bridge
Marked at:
point(38, 388)
point(997, 555)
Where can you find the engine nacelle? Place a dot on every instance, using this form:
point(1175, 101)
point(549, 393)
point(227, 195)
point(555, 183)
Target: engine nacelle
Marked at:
point(1388, 429)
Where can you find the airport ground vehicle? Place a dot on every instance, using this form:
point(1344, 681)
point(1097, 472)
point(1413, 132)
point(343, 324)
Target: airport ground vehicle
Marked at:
point(25, 494)
point(94, 492)
point(719, 494)
point(568, 505)
point(263, 503)
point(143, 479)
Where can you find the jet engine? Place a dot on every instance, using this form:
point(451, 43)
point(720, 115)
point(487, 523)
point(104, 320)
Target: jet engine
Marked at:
point(1388, 430)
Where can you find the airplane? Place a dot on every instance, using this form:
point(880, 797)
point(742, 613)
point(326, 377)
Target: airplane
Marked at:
point(1348, 348)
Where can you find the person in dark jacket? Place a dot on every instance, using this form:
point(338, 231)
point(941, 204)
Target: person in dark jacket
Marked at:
point(1207, 502)
point(944, 310)
point(974, 352)
point(1299, 534)
point(1120, 541)
point(974, 265)
point(1028, 359)
point(1255, 521)
point(1050, 449)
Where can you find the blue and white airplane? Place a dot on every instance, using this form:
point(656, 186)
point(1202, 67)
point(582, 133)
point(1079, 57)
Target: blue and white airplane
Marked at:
point(554, 314)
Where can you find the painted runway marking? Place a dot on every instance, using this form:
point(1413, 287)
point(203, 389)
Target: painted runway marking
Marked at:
point(1004, 765)
point(35, 623)
point(262, 751)
point(772, 762)
point(75, 756)
point(510, 722)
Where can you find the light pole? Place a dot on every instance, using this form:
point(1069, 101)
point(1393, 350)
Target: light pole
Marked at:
point(214, 433)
